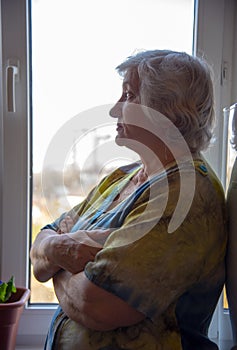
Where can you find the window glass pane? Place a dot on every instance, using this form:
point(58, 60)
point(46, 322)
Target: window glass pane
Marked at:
point(76, 46)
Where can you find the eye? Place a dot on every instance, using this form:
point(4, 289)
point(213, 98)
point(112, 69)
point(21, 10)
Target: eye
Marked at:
point(128, 95)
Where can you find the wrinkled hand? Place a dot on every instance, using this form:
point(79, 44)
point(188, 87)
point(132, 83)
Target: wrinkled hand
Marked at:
point(66, 225)
point(96, 237)
point(74, 250)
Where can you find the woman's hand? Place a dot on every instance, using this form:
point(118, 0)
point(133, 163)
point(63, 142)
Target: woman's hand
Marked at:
point(76, 249)
point(72, 251)
point(66, 225)
point(52, 252)
point(96, 237)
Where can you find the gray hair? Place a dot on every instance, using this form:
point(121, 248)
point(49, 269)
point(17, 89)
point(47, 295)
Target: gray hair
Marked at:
point(179, 86)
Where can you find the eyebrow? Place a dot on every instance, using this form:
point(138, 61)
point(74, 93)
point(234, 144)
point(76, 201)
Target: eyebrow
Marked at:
point(126, 82)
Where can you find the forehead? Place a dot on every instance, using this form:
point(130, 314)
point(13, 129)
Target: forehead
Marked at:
point(131, 78)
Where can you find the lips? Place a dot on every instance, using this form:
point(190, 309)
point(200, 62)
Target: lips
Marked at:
point(119, 128)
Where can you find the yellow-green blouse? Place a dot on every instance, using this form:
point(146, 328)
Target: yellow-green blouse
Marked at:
point(175, 278)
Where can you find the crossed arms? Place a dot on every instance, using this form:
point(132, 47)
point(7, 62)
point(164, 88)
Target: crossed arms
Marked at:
point(63, 258)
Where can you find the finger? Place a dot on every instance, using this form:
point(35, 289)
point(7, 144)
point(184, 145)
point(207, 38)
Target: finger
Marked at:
point(63, 226)
point(69, 223)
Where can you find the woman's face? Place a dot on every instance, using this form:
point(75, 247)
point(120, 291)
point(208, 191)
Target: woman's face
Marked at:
point(126, 112)
point(140, 128)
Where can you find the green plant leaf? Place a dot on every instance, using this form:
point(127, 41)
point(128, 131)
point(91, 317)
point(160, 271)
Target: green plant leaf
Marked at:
point(6, 290)
point(3, 288)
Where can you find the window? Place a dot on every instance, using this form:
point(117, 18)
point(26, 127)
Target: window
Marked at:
point(73, 72)
point(15, 175)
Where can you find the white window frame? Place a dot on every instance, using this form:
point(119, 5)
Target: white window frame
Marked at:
point(14, 159)
point(215, 22)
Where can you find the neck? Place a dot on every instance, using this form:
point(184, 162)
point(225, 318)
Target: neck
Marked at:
point(152, 166)
point(156, 162)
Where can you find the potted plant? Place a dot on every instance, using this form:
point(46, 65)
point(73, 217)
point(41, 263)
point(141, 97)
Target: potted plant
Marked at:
point(12, 301)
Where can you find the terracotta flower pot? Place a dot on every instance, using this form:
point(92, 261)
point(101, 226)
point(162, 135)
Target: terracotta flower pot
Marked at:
point(10, 313)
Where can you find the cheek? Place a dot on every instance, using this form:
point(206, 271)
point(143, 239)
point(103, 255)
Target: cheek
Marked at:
point(131, 113)
point(134, 116)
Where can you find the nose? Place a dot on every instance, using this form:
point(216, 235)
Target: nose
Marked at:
point(116, 110)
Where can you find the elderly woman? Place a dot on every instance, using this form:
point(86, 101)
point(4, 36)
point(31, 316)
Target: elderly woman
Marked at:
point(143, 265)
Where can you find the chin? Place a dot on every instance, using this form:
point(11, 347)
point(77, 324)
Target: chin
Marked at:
point(120, 141)
point(124, 142)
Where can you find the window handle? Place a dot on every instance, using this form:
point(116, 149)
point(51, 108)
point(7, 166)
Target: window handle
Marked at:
point(12, 75)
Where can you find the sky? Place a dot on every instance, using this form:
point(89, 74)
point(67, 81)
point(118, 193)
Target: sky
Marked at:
point(76, 46)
